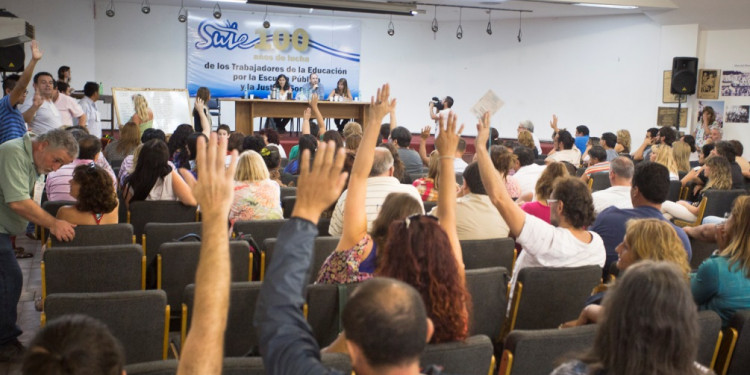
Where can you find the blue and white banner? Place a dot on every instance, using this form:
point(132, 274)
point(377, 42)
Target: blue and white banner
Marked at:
point(235, 56)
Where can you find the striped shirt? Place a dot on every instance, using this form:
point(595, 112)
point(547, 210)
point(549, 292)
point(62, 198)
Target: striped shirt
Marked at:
point(596, 168)
point(12, 125)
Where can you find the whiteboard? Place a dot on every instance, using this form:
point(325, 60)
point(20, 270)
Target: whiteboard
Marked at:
point(171, 107)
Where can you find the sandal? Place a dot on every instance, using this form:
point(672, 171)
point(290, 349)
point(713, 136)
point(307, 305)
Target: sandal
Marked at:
point(22, 254)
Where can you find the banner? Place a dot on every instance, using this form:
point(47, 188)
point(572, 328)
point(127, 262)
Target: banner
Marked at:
point(235, 56)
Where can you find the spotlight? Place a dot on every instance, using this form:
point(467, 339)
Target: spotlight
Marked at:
point(434, 22)
point(146, 7)
point(182, 17)
point(460, 29)
point(217, 11)
point(391, 29)
point(266, 23)
point(110, 9)
point(182, 13)
point(489, 23)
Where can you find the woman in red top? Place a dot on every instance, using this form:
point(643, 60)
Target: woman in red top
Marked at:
point(96, 201)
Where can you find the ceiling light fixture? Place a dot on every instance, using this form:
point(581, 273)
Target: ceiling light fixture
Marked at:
point(182, 14)
point(217, 11)
point(110, 9)
point(610, 6)
point(146, 7)
point(402, 9)
point(434, 22)
point(460, 29)
point(489, 22)
point(520, 14)
point(391, 29)
point(266, 23)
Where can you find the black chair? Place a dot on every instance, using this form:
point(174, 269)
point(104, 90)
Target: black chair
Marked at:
point(92, 269)
point(701, 251)
point(472, 356)
point(97, 235)
point(156, 234)
point(260, 230)
point(236, 365)
point(559, 292)
point(675, 187)
point(428, 206)
point(52, 207)
point(733, 358)
point(579, 171)
point(323, 224)
point(714, 203)
point(710, 338)
point(136, 318)
point(288, 192)
point(322, 248)
point(324, 308)
point(287, 205)
point(240, 337)
point(144, 212)
point(284, 163)
point(488, 289)
point(599, 181)
point(536, 352)
point(494, 252)
point(214, 108)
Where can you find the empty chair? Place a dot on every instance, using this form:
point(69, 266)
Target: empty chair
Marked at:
point(97, 235)
point(675, 187)
point(156, 234)
point(287, 205)
point(733, 359)
point(324, 307)
point(710, 338)
point(472, 356)
point(92, 269)
point(488, 288)
point(559, 293)
point(235, 365)
point(714, 203)
point(52, 207)
point(136, 318)
point(143, 212)
point(599, 181)
point(259, 229)
point(214, 108)
point(323, 247)
point(240, 337)
point(537, 352)
point(288, 192)
point(494, 252)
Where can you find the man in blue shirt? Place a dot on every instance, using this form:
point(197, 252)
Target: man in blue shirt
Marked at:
point(582, 137)
point(649, 190)
point(12, 125)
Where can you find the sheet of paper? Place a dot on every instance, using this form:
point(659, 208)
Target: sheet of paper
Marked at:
point(488, 103)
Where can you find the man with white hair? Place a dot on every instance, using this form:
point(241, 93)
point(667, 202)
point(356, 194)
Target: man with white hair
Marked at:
point(528, 125)
point(618, 195)
point(380, 183)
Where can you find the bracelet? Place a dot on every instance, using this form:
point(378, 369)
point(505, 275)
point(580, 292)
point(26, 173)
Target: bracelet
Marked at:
point(445, 157)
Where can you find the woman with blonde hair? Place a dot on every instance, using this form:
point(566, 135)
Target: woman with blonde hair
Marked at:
point(525, 139)
point(663, 155)
point(681, 153)
point(645, 239)
point(256, 196)
point(722, 283)
point(117, 150)
point(623, 142)
point(143, 116)
point(719, 174)
point(539, 207)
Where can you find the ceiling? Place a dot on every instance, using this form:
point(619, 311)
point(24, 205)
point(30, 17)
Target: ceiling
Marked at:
point(710, 15)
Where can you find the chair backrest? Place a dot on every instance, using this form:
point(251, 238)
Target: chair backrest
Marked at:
point(675, 186)
point(470, 357)
point(322, 248)
point(550, 296)
point(236, 365)
point(97, 235)
point(178, 262)
point(157, 234)
point(52, 207)
point(92, 269)
point(168, 367)
point(428, 206)
point(324, 303)
point(536, 352)
point(288, 192)
point(737, 361)
point(600, 181)
point(720, 201)
point(259, 229)
point(488, 288)
point(136, 318)
point(287, 205)
point(701, 251)
point(323, 224)
point(213, 103)
point(494, 252)
point(240, 337)
point(143, 212)
point(579, 171)
point(710, 337)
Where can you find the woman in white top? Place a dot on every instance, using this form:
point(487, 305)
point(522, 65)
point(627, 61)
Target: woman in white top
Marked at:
point(154, 179)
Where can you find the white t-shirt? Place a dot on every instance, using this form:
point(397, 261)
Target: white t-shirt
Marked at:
point(527, 176)
point(93, 118)
point(572, 156)
point(537, 144)
point(46, 118)
point(618, 196)
point(459, 165)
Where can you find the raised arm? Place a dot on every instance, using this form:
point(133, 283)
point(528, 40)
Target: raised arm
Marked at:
point(638, 154)
point(446, 144)
point(355, 215)
point(423, 145)
point(316, 111)
point(20, 89)
point(509, 210)
point(199, 106)
point(306, 121)
point(203, 352)
point(394, 122)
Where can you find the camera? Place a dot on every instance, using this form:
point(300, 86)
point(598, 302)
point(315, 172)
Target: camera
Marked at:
point(438, 103)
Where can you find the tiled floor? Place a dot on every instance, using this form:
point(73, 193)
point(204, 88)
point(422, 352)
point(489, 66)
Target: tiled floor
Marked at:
point(28, 317)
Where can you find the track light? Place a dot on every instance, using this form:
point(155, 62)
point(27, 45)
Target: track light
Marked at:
point(489, 23)
point(266, 23)
point(110, 9)
point(146, 7)
point(217, 11)
point(434, 21)
point(182, 14)
point(520, 15)
point(391, 29)
point(459, 30)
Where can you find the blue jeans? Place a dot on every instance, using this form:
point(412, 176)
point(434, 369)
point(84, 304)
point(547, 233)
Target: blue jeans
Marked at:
point(11, 282)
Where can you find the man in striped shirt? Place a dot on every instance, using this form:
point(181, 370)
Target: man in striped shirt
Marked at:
point(12, 125)
point(597, 162)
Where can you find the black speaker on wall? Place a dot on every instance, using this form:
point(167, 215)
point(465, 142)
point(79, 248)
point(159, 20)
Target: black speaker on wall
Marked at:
point(684, 75)
point(11, 58)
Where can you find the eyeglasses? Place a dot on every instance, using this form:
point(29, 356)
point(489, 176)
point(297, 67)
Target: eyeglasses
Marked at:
point(416, 217)
point(550, 201)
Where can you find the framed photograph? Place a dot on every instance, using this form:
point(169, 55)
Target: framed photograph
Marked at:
point(708, 84)
point(738, 114)
point(735, 83)
point(667, 116)
point(668, 97)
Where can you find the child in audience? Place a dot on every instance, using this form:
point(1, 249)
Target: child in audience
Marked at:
point(94, 191)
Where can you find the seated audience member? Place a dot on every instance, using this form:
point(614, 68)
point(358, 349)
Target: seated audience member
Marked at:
point(618, 195)
point(525, 139)
point(716, 134)
point(272, 159)
point(57, 185)
point(564, 149)
point(649, 189)
point(458, 162)
point(694, 151)
point(256, 196)
point(154, 179)
point(727, 150)
point(96, 202)
point(333, 136)
point(722, 283)
point(129, 163)
point(504, 160)
point(352, 142)
point(178, 144)
point(597, 162)
point(663, 155)
point(593, 141)
point(271, 137)
point(565, 243)
point(527, 172)
point(308, 127)
point(652, 138)
point(380, 183)
point(399, 170)
point(234, 143)
point(645, 239)
point(385, 133)
point(582, 136)
point(428, 186)
point(401, 138)
point(681, 152)
point(192, 143)
point(306, 142)
point(223, 131)
point(495, 137)
point(650, 307)
point(253, 142)
point(476, 217)
point(718, 171)
point(528, 126)
point(666, 136)
point(623, 142)
point(705, 152)
point(351, 128)
point(540, 207)
point(119, 149)
point(741, 161)
point(609, 142)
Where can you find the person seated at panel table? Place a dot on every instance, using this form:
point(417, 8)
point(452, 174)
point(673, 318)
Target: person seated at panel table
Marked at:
point(341, 94)
point(285, 93)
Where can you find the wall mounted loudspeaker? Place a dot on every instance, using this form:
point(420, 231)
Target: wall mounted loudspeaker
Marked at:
point(684, 75)
point(11, 58)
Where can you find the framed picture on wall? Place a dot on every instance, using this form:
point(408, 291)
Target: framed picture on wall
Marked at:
point(738, 114)
point(708, 84)
point(668, 97)
point(735, 83)
point(667, 116)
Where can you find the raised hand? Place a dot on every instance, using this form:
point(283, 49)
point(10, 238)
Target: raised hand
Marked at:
point(483, 130)
point(381, 104)
point(320, 186)
point(199, 104)
point(306, 115)
point(553, 123)
point(314, 101)
point(447, 141)
point(37, 99)
point(36, 53)
point(214, 188)
point(425, 132)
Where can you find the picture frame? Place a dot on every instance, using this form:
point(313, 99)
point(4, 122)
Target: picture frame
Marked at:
point(709, 83)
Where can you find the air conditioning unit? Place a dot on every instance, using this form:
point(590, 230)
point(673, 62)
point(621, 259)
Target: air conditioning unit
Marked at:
point(14, 30)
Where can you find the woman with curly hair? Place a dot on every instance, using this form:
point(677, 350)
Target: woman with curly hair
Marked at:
point(719, 174)
point(143, 116)
point(525, 139)
point(428, 186)
point(96, 201)
point(623, 142)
